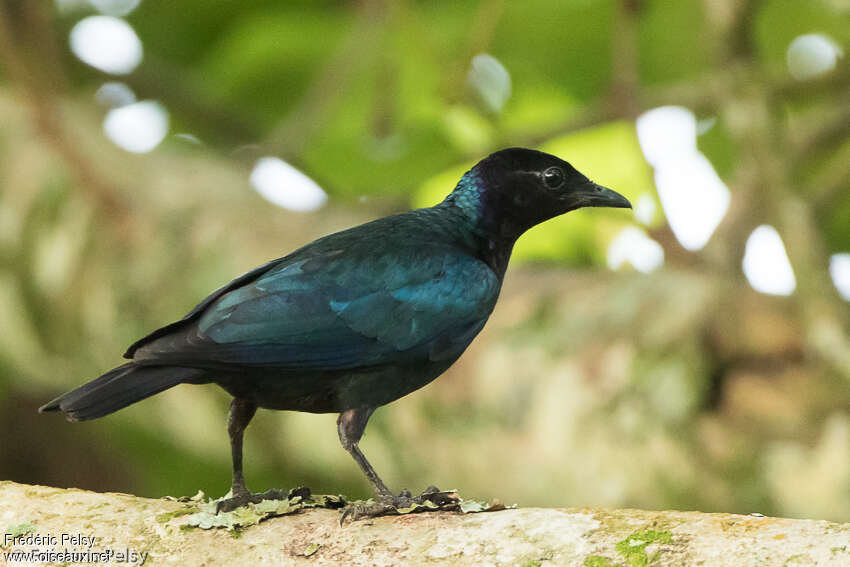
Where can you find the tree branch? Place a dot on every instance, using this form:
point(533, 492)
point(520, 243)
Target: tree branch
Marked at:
point(157, 530)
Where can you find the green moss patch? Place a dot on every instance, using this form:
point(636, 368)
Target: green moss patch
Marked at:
point(17, 530)
point(632, 550)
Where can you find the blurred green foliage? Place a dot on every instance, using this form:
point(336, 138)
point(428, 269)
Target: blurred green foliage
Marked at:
point(682, 388)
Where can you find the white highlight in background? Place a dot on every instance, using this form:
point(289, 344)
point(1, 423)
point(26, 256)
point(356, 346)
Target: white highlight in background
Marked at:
point(645, 209)
point(106, 43)
point(812, 55)
point(489, 78)
point(137, 127)
point(285, 186)
point(839, 269)
point(633, 246)
point(693, 196)
point(667, 134)
point(766, 263)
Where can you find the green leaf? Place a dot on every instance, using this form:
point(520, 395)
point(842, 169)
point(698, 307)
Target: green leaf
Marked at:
point(266, 59)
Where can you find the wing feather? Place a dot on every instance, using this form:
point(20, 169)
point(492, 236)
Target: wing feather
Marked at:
point(339, 311)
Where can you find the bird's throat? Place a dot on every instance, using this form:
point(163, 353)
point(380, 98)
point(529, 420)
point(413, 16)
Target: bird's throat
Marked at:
point(489, 231)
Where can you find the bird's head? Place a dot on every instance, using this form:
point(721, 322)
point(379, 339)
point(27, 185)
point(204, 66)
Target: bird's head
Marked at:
point(517, 188)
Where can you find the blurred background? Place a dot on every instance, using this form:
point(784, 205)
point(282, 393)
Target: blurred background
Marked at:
point(692, 354)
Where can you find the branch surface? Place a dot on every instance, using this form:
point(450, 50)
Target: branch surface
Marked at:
point(157, 531)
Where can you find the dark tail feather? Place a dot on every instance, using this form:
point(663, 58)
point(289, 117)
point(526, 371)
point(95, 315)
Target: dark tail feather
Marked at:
point(119, 388)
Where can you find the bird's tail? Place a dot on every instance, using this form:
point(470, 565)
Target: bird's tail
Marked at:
point(118, 388)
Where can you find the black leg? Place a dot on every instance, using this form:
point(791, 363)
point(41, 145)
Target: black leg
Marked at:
point(241, 412)
point(350, 426)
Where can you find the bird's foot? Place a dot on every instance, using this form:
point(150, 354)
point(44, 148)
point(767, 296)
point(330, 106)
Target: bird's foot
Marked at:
point(243, 498)
point(432, 498)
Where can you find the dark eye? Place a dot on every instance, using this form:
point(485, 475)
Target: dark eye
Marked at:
point(553, 177)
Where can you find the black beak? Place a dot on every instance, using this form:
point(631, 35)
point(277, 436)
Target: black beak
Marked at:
point(593, 195)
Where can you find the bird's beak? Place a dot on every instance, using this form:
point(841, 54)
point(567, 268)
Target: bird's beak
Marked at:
point(593, 195)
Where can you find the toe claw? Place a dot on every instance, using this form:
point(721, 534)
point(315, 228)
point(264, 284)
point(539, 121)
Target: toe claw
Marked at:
point(347, 511)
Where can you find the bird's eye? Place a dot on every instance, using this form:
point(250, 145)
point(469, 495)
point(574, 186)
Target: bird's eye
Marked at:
point(553, 177)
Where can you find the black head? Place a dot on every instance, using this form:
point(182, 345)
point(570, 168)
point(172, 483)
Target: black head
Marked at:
point(523, 187)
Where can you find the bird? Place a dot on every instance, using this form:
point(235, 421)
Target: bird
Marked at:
point(353, 320)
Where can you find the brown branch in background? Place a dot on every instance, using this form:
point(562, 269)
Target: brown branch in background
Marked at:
point(739, 37)
point(40, 37)
point(828, 85)
point(15, 66)
point(705, 95)
point(624, 90)
point(483, 30)
point(835, 182)
point(28, 46)
point(730, 27)
point(26, 37)
point(828, 134)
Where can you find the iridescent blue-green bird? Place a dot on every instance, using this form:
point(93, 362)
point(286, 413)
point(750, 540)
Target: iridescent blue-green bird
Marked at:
point(356, 319)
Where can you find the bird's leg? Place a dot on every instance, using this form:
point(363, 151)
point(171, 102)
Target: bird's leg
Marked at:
point(350, 426)
point(241, 412)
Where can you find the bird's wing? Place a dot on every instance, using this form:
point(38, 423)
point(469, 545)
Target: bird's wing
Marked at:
point(339, 309)
point(245, 278)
